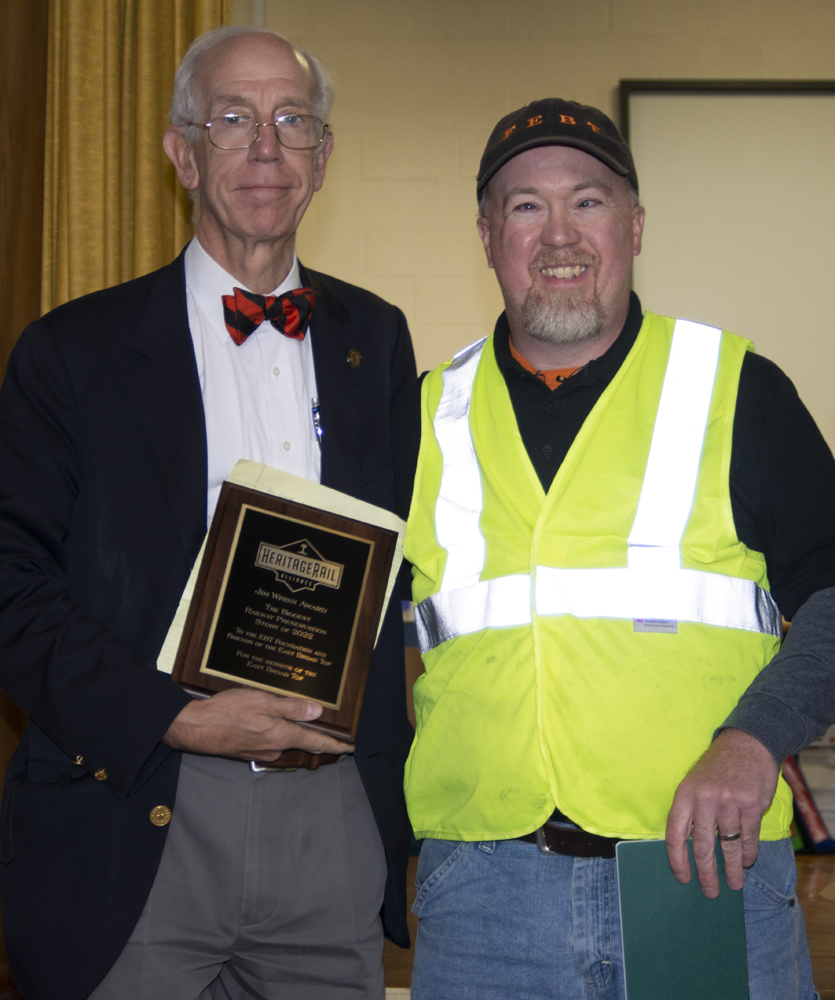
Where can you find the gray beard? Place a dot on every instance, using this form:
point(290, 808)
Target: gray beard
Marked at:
point(560, 319)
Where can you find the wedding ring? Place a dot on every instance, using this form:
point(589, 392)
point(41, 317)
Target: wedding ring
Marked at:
point(729, 836)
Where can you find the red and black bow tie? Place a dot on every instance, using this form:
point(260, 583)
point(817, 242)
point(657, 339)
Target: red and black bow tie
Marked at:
point(290, 313)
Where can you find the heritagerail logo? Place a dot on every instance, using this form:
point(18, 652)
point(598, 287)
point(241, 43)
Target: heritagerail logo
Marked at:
point(299, 566)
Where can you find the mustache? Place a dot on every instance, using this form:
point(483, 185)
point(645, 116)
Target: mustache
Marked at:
point(566, 257)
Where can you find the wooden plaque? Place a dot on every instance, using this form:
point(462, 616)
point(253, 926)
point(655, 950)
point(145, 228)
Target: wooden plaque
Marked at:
point(287, 599)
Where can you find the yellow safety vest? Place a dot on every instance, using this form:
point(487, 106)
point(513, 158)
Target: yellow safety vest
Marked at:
point(581, 647)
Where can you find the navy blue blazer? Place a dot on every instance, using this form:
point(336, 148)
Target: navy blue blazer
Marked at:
point(103, 476)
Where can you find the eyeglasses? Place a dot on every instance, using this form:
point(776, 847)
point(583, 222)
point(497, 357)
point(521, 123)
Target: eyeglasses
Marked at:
point(233, 131)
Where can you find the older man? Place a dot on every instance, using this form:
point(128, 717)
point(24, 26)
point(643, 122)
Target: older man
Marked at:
point(610, 508)
point(141, 855)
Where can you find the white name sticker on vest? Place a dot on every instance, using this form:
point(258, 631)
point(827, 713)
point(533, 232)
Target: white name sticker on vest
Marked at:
point(668, 625)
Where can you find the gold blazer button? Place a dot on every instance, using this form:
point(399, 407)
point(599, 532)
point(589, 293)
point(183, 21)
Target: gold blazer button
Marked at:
point(160, 815)
point(354, 358)
point(100, 775)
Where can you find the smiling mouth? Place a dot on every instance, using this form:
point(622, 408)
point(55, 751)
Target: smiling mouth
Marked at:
point(573, 271)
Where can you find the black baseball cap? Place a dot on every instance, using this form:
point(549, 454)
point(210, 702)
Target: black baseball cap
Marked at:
point(554, 122)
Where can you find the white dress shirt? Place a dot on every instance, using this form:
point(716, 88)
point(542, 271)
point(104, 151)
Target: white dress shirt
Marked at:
point(258, 396)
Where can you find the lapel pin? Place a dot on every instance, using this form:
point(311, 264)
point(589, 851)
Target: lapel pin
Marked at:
point(354, 358)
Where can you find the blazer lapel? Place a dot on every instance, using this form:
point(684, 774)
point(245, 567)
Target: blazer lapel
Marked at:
point(339, 385)
point(161, 380)
point(160, 376)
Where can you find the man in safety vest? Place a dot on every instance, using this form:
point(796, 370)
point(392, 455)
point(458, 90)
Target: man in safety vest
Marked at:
point(611, 509)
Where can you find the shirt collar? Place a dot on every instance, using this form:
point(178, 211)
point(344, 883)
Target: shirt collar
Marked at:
point(604, 368)
point(207, 281)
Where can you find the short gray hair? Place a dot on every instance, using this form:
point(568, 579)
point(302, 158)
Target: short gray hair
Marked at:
point(184, 105)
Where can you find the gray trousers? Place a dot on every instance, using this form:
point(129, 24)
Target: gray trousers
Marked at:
point(270, 887)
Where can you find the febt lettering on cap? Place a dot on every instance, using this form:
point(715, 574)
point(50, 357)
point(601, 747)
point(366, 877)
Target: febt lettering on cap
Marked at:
point(553, 121)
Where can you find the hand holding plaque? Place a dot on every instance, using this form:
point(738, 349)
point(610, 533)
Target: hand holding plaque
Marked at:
point(288, 599)
point(245, 723)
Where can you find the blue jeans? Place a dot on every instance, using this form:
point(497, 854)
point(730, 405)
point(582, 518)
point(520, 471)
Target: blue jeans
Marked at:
point(501, 921)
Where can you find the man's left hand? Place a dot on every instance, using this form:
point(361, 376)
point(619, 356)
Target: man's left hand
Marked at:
point(727, 790)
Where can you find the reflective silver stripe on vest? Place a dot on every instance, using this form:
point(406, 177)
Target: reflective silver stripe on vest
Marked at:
point(652, 585)
point(499, 603)
point(678, 435)
point(459, 503)
point(683, 595)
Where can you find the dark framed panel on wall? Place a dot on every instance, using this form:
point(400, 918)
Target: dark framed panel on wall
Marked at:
point(738, 180)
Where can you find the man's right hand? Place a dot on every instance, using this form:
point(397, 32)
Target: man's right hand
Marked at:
point(728, 789)
point(249, 724)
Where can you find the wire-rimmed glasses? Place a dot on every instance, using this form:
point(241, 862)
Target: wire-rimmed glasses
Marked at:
point(293, 131)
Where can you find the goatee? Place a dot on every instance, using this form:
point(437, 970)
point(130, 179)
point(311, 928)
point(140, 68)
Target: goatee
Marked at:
point(562, 316)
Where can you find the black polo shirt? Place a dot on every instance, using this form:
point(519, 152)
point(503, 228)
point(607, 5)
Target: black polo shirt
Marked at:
point(782, 477)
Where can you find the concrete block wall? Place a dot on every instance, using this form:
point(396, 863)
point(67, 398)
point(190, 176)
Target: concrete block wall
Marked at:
point(421, 83)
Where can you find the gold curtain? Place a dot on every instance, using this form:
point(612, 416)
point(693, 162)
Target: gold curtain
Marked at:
point(113, 208)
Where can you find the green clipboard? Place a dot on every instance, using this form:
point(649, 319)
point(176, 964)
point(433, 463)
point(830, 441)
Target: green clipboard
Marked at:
point(677, 943)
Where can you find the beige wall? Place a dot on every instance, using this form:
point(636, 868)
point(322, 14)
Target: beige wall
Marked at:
point(420, 84)
point(739, 197)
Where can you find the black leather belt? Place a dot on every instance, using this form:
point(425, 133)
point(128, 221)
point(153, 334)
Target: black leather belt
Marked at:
point(576, 843)
point(295, 760)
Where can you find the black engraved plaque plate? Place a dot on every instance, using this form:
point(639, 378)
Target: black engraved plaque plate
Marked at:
point(288, 599)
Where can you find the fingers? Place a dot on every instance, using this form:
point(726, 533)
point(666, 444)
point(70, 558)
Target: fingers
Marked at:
point(312, 740)
point(738, 853)
point(732, 858)
point(740, 815)
point(728, 789)
point(251, 725)
point(750, 843)
point(296, 709)
point(287, 729)
point(295, 737)
point(704, 845)
point(250, 703)
point(688, 815)
point(679, 822)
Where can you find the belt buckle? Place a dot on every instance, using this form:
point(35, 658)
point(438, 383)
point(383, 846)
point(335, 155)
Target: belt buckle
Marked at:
point(542, 843)
point(256, 768)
